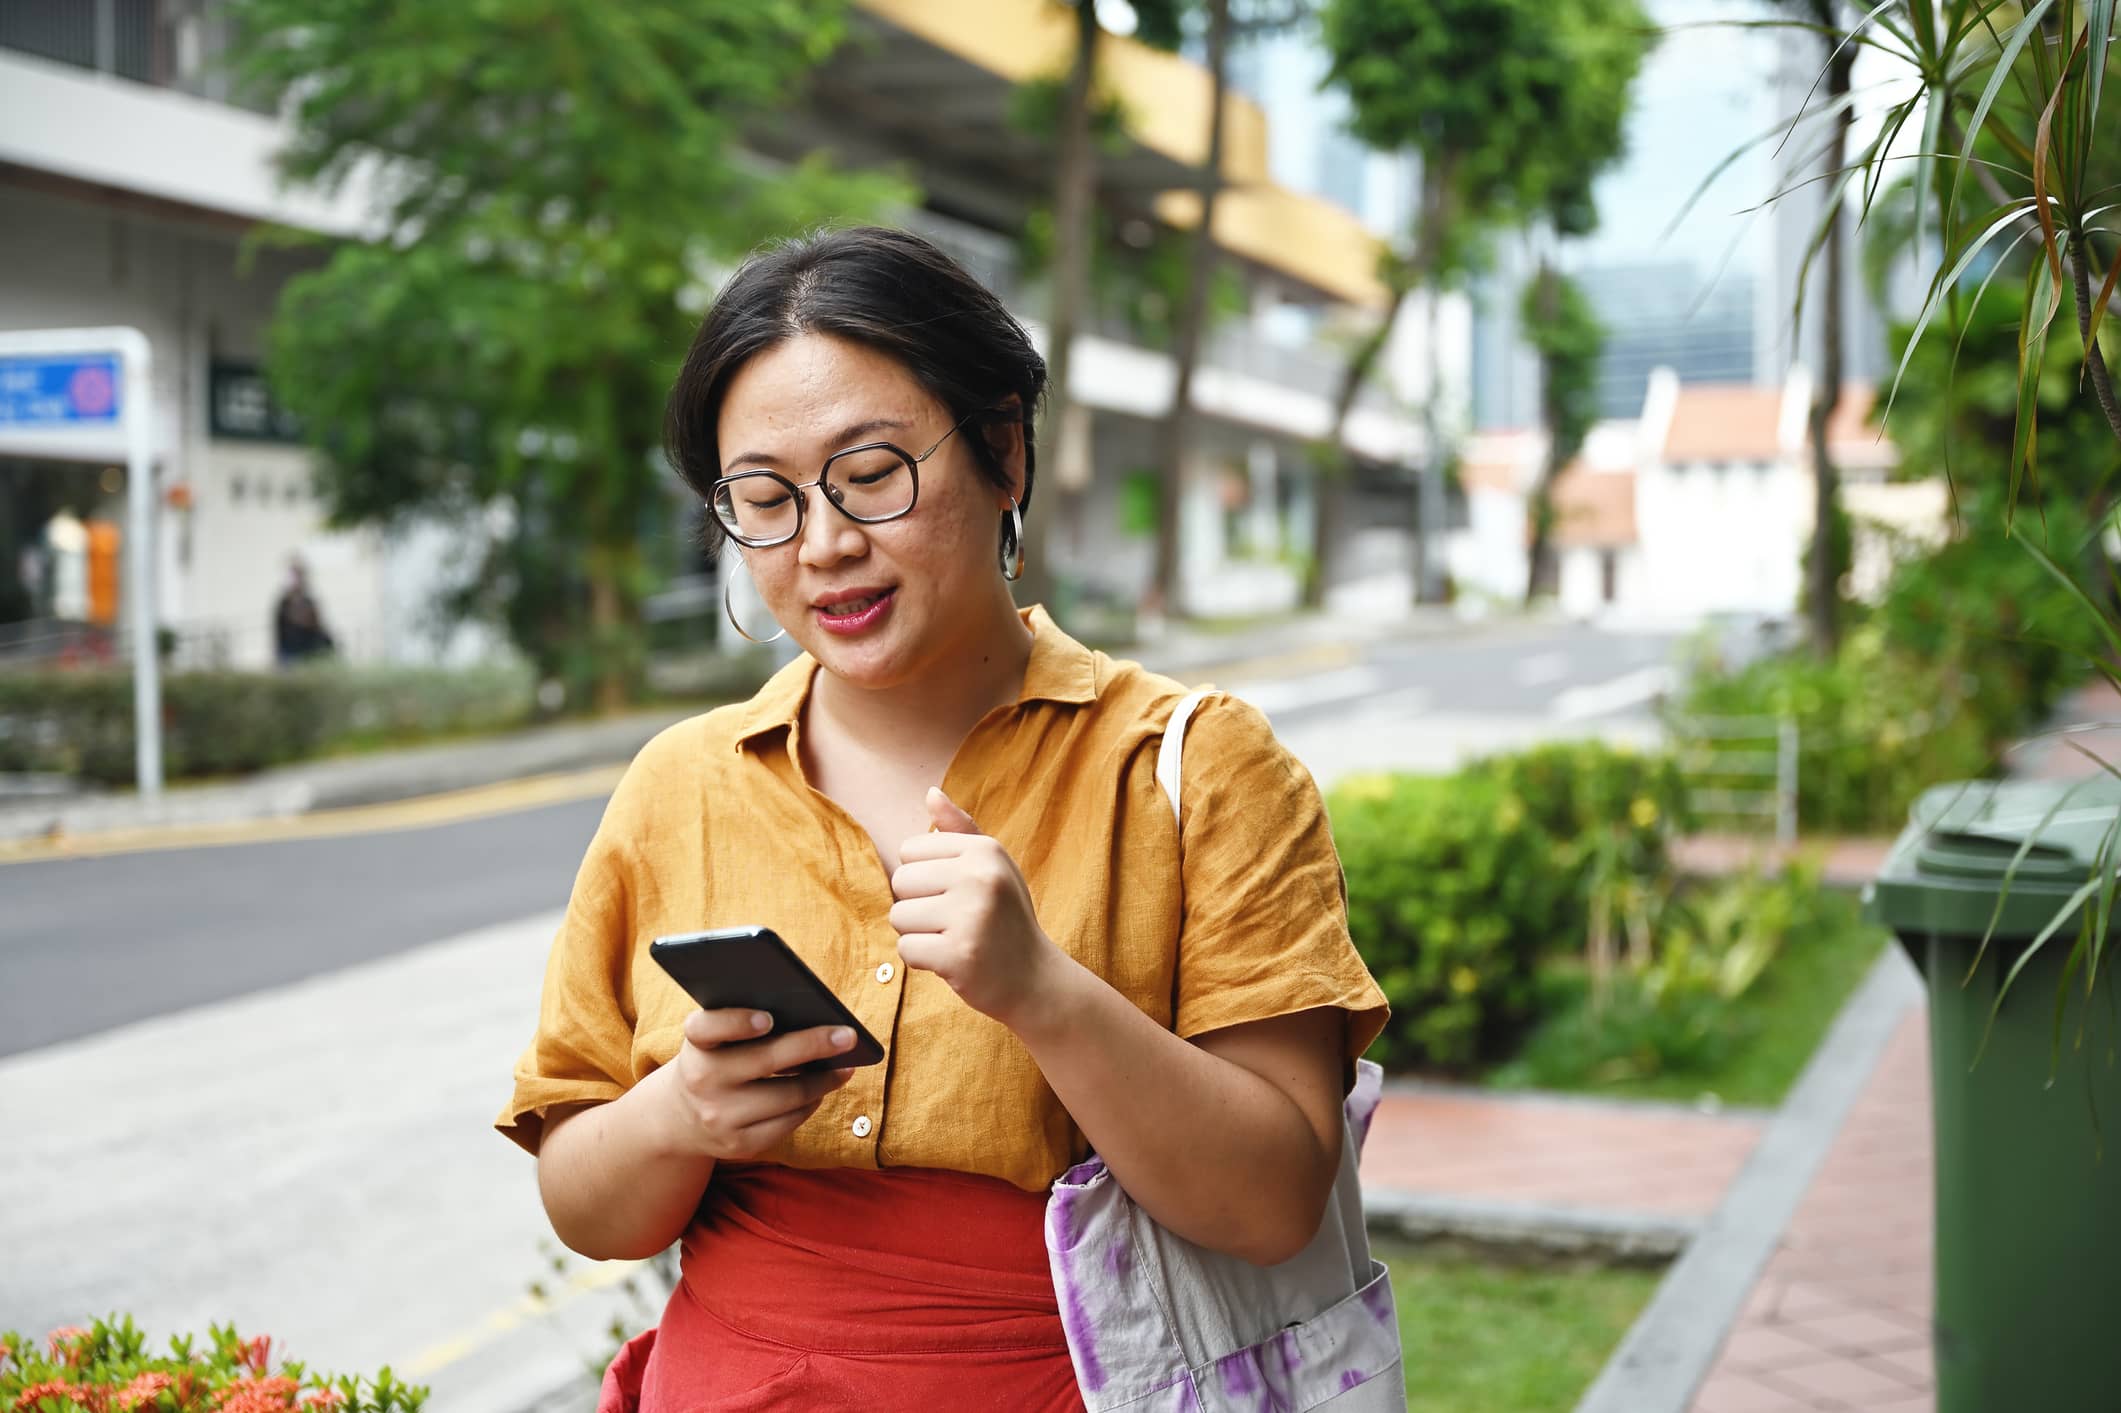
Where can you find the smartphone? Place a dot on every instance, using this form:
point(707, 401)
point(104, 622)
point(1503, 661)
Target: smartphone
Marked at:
point(752, 968)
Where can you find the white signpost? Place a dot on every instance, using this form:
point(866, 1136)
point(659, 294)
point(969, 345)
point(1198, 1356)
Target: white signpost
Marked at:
point(81, 394)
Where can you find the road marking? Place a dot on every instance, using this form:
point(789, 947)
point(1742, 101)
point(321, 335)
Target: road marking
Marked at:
point(1395, 706)
point(1542, 668)
point(1606, 698)
point(443, 1353)
point(1292, 693)
point(1276, 665)
point(426, 812)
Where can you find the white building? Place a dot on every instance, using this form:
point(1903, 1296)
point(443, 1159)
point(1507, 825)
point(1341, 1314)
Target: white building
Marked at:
point(1702, 506)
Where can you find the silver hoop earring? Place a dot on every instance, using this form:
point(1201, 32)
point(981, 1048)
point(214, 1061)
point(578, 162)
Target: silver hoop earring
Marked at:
point(1013, 544)
point(729, 582)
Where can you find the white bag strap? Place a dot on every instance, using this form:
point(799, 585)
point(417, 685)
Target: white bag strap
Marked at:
point(1167, 755)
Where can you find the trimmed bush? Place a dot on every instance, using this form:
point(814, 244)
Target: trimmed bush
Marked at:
point(1460, 886)
point(80, 723)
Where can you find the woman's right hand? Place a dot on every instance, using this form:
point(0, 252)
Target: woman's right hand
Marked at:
point(731, 1096)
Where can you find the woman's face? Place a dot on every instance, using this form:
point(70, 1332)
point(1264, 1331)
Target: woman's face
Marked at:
point(933, 574)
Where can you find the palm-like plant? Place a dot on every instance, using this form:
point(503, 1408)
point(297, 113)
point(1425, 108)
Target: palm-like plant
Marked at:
point(2002, 110)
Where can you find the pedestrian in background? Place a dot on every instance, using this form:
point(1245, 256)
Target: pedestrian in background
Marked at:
point(297, 623)
point(949, 808)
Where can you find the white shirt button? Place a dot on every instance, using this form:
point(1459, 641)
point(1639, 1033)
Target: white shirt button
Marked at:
point(862, 1126)
point(884, 973)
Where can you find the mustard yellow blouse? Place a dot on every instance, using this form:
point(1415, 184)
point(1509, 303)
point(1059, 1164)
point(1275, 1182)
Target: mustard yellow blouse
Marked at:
point(714, 825)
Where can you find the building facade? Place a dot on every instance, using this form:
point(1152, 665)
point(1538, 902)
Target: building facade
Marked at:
point(129, 181)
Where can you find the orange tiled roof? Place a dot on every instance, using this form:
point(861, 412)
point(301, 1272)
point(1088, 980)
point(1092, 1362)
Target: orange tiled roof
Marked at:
point(1594, 509)
point(1725, 422)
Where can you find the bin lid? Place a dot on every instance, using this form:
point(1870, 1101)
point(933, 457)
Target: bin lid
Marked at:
point(1948, 867)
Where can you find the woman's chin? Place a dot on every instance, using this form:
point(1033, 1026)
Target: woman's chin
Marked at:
point(873, 662)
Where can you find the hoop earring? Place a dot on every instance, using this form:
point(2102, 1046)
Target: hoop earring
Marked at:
point(1013, 544)
point(729, 581)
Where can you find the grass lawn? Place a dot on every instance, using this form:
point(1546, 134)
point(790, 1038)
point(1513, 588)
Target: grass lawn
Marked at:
point(1485, 1337)
point(1774, 1026)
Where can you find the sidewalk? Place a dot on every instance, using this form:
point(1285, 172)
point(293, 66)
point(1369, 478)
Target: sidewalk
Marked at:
point(1296, 644)
point(1810, 1289)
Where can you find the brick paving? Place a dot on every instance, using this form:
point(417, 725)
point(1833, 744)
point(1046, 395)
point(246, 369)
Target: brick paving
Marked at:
point(1624, 1158)
point(1840, 1319)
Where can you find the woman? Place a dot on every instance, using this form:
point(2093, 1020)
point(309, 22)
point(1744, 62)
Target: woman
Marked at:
point(949, 808)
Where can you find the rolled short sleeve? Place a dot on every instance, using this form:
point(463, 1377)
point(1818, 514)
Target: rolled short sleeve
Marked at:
point(582, 1051)
point(1265, 928)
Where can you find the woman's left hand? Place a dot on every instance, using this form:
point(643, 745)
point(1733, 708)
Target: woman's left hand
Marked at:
point(964, 913)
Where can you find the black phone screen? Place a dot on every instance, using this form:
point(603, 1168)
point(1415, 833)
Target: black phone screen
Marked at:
point(754, 968)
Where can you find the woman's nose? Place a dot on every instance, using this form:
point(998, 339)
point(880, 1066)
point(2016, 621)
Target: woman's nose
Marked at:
point(828, 536)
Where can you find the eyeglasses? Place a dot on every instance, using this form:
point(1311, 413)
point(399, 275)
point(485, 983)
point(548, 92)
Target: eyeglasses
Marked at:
point(870, 484)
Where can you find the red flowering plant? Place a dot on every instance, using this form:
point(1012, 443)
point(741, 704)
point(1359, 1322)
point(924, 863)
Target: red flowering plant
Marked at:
point(107, 1368)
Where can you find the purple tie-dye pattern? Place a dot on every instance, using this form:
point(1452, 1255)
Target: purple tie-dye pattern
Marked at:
point(1377, 1297)
point(1075, 1320)
point(1123, 1340)
point(1240, 1373)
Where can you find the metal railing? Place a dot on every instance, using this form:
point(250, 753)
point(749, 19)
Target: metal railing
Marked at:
point(1740, 770)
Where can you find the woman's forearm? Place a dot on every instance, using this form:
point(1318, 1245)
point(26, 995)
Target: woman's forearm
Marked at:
point(614, 1183)
point(1211, 1150)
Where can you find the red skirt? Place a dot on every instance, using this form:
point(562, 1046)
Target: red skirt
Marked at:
point(845, 1288)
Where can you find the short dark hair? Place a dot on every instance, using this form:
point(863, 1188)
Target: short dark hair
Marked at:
point(888, 290)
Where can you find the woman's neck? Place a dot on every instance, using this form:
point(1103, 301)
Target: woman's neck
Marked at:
point(931, 713)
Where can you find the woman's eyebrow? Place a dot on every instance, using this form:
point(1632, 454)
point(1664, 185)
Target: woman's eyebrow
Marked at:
point(841, 438)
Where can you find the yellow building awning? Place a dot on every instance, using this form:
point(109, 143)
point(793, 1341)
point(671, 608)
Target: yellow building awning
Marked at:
point(1164, 100)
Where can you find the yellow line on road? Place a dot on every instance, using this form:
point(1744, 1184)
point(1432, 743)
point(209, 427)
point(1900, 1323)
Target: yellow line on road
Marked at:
point(423, 813)
point(446, 1352)
point(1288, 664)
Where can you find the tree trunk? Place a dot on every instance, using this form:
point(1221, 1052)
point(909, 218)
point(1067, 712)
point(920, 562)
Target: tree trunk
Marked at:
point(1823, 569)
point(1542, 547)
point(1432, 500)
point(1074, 195)
point(607, 628)
point(1173, 435)
point(1331, 472)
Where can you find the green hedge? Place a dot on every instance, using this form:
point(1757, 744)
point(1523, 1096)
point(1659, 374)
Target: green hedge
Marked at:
point(219, 723)
point(1459, 886)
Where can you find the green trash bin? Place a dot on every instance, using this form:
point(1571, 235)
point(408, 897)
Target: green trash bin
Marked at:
point(2028, 1177)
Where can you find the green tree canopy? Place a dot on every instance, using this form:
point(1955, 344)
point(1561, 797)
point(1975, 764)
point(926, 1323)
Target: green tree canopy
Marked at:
point(1517, 104)
point(559, 185)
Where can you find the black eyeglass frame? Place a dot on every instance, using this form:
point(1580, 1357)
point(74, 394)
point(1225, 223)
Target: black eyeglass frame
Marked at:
point(802, 502)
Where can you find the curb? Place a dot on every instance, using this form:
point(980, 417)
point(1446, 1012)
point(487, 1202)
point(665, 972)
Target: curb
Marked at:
point(1668, 1352)
point(1529, 1228)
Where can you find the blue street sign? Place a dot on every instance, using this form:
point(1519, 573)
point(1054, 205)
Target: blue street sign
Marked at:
point(54, 392)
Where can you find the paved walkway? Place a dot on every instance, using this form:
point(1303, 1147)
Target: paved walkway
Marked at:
point(1839, 1279)
point(1840, 1320)
point(1559, 1154)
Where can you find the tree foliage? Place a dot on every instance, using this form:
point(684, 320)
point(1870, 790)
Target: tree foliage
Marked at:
point(1516, 104)
point(558, 185)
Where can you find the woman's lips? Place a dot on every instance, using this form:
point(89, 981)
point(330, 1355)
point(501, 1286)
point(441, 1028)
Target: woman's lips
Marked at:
point(835, 621)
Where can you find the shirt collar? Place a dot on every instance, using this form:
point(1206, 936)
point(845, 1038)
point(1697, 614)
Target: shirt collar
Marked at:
point(1060, 670)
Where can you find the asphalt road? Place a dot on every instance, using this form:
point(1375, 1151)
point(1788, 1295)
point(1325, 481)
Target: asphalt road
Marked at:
point(90, 944)
point(87, 945)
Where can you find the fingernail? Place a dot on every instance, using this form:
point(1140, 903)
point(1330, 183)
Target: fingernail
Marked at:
point(761, 1021)
point(842, 1038)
